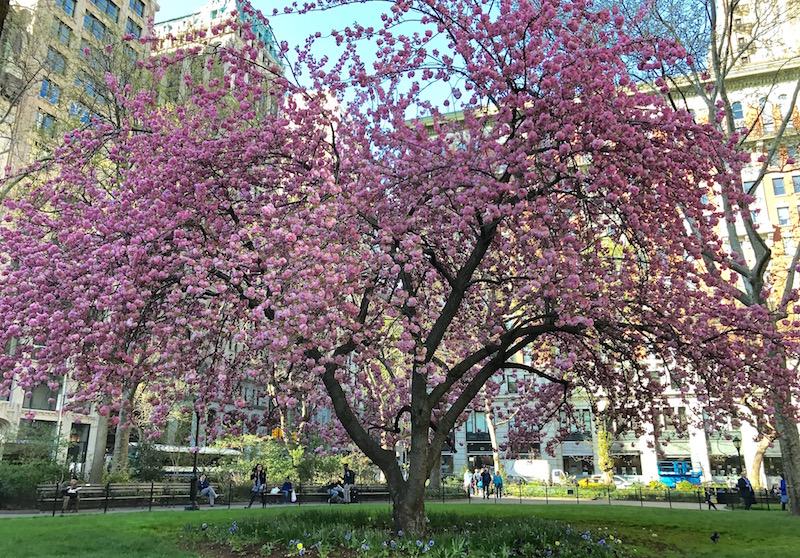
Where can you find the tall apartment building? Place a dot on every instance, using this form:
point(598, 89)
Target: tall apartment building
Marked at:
point(182, 32)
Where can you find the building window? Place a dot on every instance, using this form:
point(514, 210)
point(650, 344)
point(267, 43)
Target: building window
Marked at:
point(130, 54)
point(50, 92)
point(88, 85)
point(46, 123)
point(511, 381)
point(738, 113)
point(754, 216)
point(61, 31)
point(783, 216)
point(778, 187)
point(108, 8)
point(138, 7)
point(133, 29)
point(81, 113)
point(783, 102)
point(94, 26)
point(747, 185)
point(789, 247)
point(477, 422)
point(766, 115)
point(67, 5)
point(796, 184)
point(42, 398)
point(56, 61)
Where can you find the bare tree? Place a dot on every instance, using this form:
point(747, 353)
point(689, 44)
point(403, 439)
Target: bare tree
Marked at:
point(729, 40)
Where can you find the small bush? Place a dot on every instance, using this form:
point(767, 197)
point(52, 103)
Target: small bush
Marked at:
point(18, 480)
point(685, 486)
point(117, 476)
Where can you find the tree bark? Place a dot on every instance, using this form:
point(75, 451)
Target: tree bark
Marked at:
point(789, 440)
point(4, 7)
point(758, 458)
point(122, 438)
point(408, 510)
point(492, 434)
point(99, 460)
point(436, 473)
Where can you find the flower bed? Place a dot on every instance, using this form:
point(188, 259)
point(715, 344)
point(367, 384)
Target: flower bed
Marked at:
point(323, 533)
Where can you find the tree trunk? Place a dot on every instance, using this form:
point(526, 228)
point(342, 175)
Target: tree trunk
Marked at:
point(408, 510)
point(436, 473)
point(4, 7)
point(492, 434)
point(789, 440)
point(122, 438)
point(604, 461)
point(758, 458)
point(99, 460)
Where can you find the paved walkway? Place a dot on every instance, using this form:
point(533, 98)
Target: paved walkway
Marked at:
point(508, 500)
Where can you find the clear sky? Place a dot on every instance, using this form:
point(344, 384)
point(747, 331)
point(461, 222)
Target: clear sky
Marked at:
point(292, 28)
point(295, 29)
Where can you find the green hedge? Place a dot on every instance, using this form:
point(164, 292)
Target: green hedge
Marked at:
point(18, 481)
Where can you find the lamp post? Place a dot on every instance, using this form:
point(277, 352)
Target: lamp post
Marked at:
point(737, 443)
point(192, 505)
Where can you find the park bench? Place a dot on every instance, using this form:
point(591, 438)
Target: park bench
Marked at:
point(119, 495)
point(319, 493)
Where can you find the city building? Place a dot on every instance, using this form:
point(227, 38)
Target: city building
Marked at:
point(53, 57)
point(52, 67)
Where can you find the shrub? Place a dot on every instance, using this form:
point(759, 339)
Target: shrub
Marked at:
point(685, 486)
point(18, 480)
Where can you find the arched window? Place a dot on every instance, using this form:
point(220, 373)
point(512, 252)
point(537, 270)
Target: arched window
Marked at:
point(738, 113)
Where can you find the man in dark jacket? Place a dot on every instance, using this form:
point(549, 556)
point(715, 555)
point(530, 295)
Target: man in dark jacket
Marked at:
point(486, 481)
point(746, 492)
point(204, 488)
point(348, 480)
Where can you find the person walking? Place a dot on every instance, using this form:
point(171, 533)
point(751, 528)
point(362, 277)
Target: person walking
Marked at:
point(784, 493)
point(746, 492)
point(468, 482)
point(710, 497)
point(486, 481)
point(259, 477)
point(348, 480)
point(498, 484)
point(205, 489)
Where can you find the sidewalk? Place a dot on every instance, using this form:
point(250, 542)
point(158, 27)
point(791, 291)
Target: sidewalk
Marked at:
point(506, 500)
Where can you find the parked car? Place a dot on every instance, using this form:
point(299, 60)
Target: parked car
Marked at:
point(597, 480)
point(621, 483)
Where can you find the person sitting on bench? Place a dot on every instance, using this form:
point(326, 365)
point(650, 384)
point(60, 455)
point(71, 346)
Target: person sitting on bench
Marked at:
point(71, 497)
point(335, 492)
point(205, 489)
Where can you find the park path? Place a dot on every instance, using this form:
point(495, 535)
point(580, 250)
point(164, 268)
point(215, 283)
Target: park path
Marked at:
point(508, 500)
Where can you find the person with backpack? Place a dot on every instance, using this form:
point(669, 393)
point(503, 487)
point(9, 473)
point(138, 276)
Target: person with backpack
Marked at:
point(348, 481)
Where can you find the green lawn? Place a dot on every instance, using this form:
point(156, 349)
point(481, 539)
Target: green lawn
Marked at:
point(644, 531)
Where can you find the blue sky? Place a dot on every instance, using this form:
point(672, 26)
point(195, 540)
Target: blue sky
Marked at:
point(292, 28)
point(295, 29)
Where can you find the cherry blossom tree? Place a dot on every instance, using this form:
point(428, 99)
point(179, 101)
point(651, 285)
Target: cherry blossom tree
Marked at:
point(388, 268)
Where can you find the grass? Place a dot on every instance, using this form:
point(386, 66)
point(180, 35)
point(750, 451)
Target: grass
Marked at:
point(501, 529)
